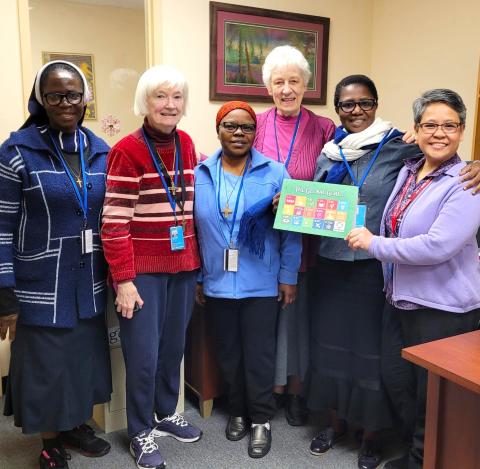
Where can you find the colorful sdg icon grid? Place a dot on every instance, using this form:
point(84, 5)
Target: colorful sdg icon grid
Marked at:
point(318, 214)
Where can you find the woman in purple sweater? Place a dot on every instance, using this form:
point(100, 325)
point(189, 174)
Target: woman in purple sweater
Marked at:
point(428, 248)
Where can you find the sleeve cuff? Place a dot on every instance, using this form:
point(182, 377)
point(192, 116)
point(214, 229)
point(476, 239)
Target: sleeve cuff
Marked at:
point(287, 277)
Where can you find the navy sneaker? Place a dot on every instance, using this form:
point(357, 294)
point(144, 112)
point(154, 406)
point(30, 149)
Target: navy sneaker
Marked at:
point(145, 451)
point(177, 427)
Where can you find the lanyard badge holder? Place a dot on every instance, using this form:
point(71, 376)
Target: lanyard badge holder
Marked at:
point(230, 254)
point(86, 234)
point(176, 232)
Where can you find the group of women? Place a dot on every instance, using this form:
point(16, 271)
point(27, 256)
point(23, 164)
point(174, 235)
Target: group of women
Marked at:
point(319, 320)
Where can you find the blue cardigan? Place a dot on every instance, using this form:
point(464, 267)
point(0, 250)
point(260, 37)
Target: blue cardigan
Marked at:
point(40, 225)
point(255, 276)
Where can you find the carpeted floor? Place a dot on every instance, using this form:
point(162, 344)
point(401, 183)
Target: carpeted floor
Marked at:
point(289, 448)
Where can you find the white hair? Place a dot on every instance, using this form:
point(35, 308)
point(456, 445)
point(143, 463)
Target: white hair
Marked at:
point(153, 78)
point(283, 56)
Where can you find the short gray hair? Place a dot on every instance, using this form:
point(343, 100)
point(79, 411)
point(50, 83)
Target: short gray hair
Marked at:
point(283, 56)
point(439, 95)
point(154, 77)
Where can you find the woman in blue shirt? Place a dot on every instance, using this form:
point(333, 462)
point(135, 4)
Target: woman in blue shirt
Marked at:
point(241, 285)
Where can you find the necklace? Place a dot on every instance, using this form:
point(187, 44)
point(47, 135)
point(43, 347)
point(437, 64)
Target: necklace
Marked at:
point(77, 174)
point(172, 188)
point(227, 211)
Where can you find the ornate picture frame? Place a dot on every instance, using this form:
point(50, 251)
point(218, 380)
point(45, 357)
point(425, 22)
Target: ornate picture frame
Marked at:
point(240, 39)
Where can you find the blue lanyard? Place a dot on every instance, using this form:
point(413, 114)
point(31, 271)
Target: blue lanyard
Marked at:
point(292, 142)
point(173, 202)
point(234, 216)
point(82, 198)
point(370, 164)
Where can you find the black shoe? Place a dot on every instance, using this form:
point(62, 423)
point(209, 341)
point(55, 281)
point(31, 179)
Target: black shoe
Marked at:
point(83, 440)
point(55, 458)
point(325, 440)
point(370, 455)
point(295, 411)
point(400, 463)
point(260, 440)
point(236, 428)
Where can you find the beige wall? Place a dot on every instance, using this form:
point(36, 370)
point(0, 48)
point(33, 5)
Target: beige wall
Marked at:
point(115, 37)
point(351, 20)
point(419, 45)
point(11, 96)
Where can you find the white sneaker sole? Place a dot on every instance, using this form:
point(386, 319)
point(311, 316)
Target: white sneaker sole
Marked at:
point(159, 434)
point(162, 466)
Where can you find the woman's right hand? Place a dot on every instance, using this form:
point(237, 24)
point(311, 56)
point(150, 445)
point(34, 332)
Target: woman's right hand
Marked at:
point(127, 296)
point(8, 323)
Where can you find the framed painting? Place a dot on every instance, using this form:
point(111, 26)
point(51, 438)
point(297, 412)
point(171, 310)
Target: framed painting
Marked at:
point(240, 39)
point(85, 63)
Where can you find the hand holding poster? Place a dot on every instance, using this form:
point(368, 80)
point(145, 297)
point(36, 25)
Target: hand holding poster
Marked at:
point(317, 208)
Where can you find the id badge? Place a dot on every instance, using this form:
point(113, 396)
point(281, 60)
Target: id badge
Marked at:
point(230, 260)
point(361, 215)
point(87, 241)
point(177, 240)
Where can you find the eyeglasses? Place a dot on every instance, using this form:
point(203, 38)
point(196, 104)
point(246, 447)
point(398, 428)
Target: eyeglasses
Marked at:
point(447, 127)
point(364, 104)
point(72, 97)
point(231, 127)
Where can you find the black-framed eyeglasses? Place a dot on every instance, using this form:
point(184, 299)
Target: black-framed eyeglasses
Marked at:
point(364, 104)
point(72, 97)
point(231, 127)
point(432, 127)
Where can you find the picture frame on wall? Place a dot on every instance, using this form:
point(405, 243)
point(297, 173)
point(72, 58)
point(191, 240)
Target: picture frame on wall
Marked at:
point(240, 39)
point(85, 63)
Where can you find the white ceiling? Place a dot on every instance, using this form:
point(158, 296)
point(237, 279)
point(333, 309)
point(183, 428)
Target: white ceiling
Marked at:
point(133, 4)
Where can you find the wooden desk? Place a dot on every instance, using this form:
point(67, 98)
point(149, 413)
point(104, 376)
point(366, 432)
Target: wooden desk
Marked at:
point(453, 400)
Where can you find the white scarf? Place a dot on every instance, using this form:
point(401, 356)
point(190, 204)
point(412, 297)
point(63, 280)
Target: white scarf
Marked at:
point(352, 143)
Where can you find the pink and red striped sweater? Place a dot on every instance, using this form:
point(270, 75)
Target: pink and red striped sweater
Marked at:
point(137, 215)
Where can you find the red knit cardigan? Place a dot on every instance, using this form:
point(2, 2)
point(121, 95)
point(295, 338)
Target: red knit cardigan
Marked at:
point(137, 215)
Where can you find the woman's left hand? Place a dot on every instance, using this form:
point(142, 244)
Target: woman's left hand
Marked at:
point(275, 201)
point(359, 238)
point(286, 294)
point(471, 175)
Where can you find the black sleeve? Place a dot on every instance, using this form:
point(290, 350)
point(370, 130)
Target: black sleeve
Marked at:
point(8, 302)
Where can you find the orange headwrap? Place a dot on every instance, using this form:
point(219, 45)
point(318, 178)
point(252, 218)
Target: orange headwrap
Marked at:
point(230, 106)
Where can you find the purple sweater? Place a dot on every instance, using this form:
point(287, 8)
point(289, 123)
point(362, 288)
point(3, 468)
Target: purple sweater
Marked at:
point(436, 253)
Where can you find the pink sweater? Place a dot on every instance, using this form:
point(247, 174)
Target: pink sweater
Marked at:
point(314, 131)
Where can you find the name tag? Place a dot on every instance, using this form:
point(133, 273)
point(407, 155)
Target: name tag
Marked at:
point(177, 240)
point(87, 241)
point(230, 260)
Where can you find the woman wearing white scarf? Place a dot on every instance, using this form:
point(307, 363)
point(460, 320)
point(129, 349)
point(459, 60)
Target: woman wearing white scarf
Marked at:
point(347, 315)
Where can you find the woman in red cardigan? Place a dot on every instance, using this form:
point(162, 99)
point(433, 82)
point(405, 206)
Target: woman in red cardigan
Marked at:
point(150, 245)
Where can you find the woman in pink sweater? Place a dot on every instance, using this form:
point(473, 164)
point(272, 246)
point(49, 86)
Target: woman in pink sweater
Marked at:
point(291, 134)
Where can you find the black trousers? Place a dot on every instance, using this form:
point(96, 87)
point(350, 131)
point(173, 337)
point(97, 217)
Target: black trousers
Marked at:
point(407, 383)
point(245, 331)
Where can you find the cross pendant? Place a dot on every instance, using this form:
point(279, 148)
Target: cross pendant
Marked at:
point(79, 182)
point(226, 211)
point(172, 189)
